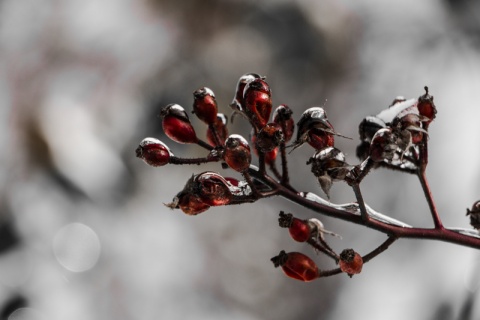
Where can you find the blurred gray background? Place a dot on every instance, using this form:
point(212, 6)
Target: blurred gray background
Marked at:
point(84, 233)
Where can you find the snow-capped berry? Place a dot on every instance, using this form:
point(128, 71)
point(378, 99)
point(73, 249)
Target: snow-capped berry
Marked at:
point(383, 145)
point(176, 124)
point(296, 265)
point(237, 153)
point(153, 152)
point(237, 103)
point(205, 105)
point(350, 262)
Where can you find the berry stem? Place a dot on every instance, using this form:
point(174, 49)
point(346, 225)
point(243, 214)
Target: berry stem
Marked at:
point(360, 201)
point(216, 137)
point(180, 161)
point(319, 244)
point(428, 195)
point(204, 144)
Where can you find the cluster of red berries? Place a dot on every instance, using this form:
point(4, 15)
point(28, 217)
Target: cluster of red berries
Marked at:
point(394, 138)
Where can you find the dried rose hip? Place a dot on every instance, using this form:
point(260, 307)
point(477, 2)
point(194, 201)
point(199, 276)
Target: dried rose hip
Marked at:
point(350, 262)
point(296, 265)
point(220, 127)
point(212, 188)
point(314, 128)
point(205, 105)
point(268, 138)
point(383, 145)
point(176, 124)
point(153, 152)
point(237, 153)
point(258, 102)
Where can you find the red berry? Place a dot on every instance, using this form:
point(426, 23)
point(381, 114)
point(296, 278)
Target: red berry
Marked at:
point(350, 262)
point(237, 153)
point(258, 102)
point(220, 126)
point(314, 128)
point(296, 265)
point(191, 204)
point(283, 114)
point(176, 124)
point(300, 230)
point(319, 139)
point(237, 103)
point(154, 152)
point(205, 105)
point(426, 107)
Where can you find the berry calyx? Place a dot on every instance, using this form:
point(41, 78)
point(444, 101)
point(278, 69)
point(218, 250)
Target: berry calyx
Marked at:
point(176, 124)
point(350, 262)
point(237, 153)
point(153, 152)
point(296, 265)
point(474, 214)
point(205, 105)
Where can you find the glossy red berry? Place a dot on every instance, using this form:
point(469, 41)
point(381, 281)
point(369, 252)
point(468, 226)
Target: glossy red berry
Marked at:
point(189, 203)
point(237, 153)
point(212, 188)
point(350, 262)
point(220, 127)
point(237, 103)
point(176, 124)
point(283, 117)
point(258, 102)
point(205, 105)
point(297, 266)
point(426, 107)
point(320, 139)
point(153, 152)
point(300, 230)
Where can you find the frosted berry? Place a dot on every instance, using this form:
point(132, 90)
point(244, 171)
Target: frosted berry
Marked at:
point(220, 126)
point(153, 152)
point(426, 107)
point(237, 153)
point(314, 128)
point(258, 102)
point(205, 105)
point(350, 262)
point(176, 124)
point(283, 114)
point(296, 265)
point(383, 145)
point(237, 103)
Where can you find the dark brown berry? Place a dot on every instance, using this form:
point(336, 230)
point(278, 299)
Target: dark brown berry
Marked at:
point(350, 262)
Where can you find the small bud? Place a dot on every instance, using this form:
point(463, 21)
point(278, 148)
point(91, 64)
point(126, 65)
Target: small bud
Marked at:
point(474, 214)
point(153, 152)
point(350, 262)
point(237, 153)
point(205, 105)
point(176, 124)
point(296, 265)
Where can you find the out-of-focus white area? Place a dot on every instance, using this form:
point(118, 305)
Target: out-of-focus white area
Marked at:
point(84, 233)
